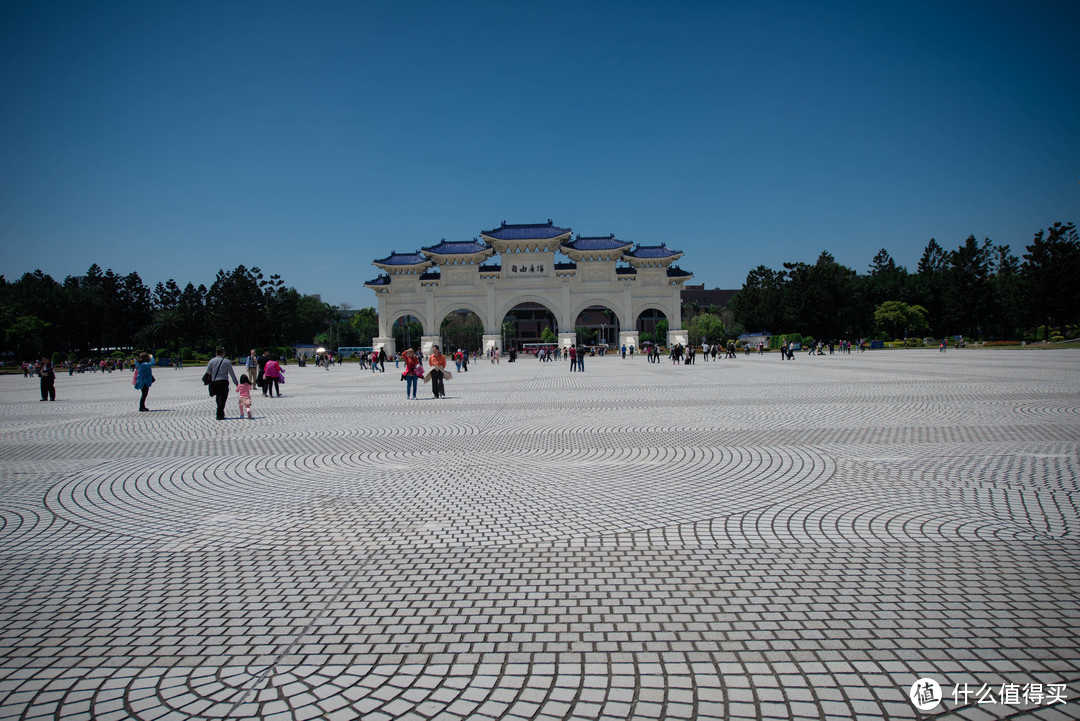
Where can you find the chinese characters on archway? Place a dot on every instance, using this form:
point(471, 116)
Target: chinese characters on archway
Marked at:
point(528, 269)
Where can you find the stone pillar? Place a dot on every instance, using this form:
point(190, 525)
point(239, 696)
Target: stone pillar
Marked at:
point(675, 320)
point(427, 341)
point(678, 336)
point(429, 309)
point(566, 323)
point(629, 338)
point(567, 339)
point(381, 314)
point(387, 343)
point(492, 340)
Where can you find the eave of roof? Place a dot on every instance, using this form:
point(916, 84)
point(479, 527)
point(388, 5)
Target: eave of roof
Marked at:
point(525, 231)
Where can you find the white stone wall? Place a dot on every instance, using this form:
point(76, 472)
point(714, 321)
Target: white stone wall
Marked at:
point(595, 283)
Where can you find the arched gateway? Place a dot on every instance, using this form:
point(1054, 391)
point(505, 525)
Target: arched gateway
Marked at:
point(453, 276)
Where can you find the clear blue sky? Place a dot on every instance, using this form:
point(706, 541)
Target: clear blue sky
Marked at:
point(177, 138)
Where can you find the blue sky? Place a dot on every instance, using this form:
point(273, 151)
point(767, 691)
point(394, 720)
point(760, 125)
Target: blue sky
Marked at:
point(308, 139)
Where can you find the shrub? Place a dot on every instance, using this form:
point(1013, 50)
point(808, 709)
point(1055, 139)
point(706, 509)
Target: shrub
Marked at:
point(185, 353)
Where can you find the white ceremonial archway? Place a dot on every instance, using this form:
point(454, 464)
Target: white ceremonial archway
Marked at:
point(601, 271)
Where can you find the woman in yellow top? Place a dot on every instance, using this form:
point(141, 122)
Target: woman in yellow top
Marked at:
point(437, 364)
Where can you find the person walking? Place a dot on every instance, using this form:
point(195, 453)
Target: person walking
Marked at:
point(144, 378)
point(260, 379)
point(252, 365)
point(221, 371)
point(413, 371)
point(581, 359)
point(48, 380)
point(272, 375)
point(573, 358)
point(437, 362)
point(243, 392)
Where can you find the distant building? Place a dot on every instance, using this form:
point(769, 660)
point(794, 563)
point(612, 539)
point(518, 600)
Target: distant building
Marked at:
point(753, 339)
point(605, 292)
point(706, 299)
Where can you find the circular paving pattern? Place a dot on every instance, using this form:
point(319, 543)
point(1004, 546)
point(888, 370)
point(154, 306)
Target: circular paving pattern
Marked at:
point(446, 497)
point(744, 540)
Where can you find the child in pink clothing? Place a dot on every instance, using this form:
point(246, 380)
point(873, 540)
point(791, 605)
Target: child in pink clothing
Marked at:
point(243, 391)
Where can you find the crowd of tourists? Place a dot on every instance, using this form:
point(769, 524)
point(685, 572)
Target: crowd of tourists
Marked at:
point(265, 371)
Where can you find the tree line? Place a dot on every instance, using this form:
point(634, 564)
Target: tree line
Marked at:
point(103, 312)
point(980, 290)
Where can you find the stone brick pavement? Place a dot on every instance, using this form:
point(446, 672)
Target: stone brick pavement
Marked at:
point(746, 539)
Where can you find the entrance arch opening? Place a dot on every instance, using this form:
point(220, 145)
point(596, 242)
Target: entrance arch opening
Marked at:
point(597, 325)
point(652, 327)
point(407, 331)
point(529, 322)
point(462, 329)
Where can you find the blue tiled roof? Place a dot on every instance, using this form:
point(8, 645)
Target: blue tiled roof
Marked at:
point(404, 259)
point(566, 266)
point(608, 242)
point(626, 271)
point(430, 275)
point(490, 268)
point(677, 273)
point(527, 231)
point(653, 251)
point(457, 248)
point(381, 280)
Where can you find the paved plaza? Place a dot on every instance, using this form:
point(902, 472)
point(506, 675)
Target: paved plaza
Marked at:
point(742, 539)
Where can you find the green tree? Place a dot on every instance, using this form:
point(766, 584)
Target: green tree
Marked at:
point(135, 309)
point(366, 324)
point(28, 337)
point(1005, 291)
point(823, 299)
point(1048, 276)
point(931, 283)
point(585, 335)
point(899, 319)
point(760, 302)
point(708, 326)
point(885, 281)
point(660, 332)
point(967, 297)
point(166, 295)
point(547, 335)
point(459, 331)
point(309, 319)
point(192, 307)
point(407, 332)
point(509, 334)
point(235, 308)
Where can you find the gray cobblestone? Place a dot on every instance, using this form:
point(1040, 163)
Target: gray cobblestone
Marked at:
point(745, 539)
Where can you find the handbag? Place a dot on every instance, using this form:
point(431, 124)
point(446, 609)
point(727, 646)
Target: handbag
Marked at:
point(206, 377)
